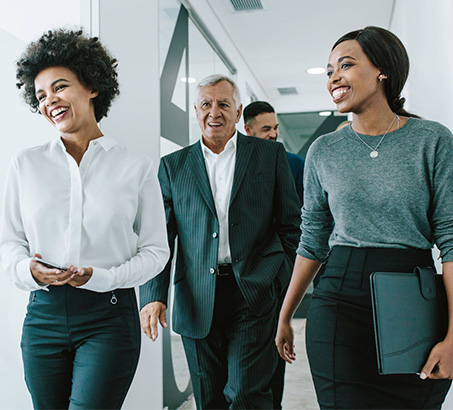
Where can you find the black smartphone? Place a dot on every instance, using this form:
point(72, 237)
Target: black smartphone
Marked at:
point(50, 264)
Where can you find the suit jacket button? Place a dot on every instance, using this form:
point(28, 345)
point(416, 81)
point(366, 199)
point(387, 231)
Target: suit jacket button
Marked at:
point(212, 270)
point(215, 235)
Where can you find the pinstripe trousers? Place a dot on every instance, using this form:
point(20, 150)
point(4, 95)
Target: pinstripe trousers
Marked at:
point(233, 365)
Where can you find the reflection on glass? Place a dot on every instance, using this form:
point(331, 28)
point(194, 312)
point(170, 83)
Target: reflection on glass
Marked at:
point(180, 367)
point(203, 61)
point(168, 15)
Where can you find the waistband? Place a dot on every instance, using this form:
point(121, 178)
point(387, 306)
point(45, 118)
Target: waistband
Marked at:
point(382, 251)
point(381, 258)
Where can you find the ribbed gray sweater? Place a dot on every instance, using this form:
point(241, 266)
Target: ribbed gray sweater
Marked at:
point(403, 198)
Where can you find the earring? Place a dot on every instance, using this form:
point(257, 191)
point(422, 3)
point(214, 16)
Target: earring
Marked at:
point(380, 77)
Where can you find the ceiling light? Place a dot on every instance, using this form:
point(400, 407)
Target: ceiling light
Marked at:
point(316, 70)
point(325, 113)
point(190, 80)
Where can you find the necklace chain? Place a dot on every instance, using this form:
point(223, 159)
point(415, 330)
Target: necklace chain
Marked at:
point(374, 153)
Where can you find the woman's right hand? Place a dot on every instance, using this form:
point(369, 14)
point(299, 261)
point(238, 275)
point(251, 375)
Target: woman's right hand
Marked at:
point(285, 341)
point(48, 276)
point(304, 272)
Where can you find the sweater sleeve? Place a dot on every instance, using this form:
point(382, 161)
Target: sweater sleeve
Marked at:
point(317, 221)
point(442, 199)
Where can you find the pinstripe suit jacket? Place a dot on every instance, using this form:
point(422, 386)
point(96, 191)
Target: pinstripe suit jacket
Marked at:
point(263, 231)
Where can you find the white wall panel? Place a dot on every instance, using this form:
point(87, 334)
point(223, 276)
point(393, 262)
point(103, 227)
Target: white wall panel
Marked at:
point(20, 128)
point(130, 30)
point(426, 29)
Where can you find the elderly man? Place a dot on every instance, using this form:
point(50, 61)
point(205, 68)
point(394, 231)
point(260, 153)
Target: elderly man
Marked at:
point(231, 202)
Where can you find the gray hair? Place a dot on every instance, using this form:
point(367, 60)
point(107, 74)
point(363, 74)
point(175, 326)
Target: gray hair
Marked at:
point(213, 79)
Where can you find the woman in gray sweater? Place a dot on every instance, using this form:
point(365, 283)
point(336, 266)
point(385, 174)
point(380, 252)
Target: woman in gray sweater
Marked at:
point(377, 196)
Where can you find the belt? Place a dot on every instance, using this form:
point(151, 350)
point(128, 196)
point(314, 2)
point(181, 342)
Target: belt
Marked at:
point(224, 269)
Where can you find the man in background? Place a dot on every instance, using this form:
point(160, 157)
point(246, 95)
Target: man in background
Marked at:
point(261, 121)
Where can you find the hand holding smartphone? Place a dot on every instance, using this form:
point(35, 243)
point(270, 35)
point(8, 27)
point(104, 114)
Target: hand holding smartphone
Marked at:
point(50, 264)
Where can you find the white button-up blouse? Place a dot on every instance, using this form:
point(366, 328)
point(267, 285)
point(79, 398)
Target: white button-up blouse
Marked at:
point(106, 213)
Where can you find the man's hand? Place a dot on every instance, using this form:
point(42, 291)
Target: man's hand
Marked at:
point(149, 315)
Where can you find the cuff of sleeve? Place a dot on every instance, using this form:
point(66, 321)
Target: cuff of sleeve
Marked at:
point(150, 294)
point(100, 281)
point(448, 257)
point(24, 273)
point(306, 254)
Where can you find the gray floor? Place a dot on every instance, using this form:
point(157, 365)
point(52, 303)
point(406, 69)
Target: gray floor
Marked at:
point(299, 392)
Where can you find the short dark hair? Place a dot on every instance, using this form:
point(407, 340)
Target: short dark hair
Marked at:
point(386, 51)
point(256, 108)
point(85, 56)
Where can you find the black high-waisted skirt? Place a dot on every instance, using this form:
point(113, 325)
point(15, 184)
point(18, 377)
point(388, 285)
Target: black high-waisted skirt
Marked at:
point(340, 336)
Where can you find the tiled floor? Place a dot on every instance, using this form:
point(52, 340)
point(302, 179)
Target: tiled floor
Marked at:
point(299, 393)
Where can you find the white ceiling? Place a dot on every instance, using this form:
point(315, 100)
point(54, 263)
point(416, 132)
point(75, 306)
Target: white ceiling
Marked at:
point(281, 42)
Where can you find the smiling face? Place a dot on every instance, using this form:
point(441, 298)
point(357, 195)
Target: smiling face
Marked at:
point(263, 126)
point(217, 113)
point(353, 80)
point(64, 100)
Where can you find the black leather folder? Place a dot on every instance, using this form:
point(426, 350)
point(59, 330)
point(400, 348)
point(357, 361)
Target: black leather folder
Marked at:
point(410, 316)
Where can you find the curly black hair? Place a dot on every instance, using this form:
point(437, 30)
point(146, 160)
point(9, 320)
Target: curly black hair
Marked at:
point(85, 56)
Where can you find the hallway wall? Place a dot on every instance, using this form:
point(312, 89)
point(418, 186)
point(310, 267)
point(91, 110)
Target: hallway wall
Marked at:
point(20, 128)
point(426, 29)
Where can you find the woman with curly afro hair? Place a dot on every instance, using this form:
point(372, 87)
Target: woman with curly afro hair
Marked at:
point(94, 209)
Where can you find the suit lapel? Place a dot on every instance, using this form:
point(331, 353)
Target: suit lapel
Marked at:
point(243, 154)
point(196, 161)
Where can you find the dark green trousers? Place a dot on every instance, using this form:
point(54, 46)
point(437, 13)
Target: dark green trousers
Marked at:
point(340, 335)
point(80, 349)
